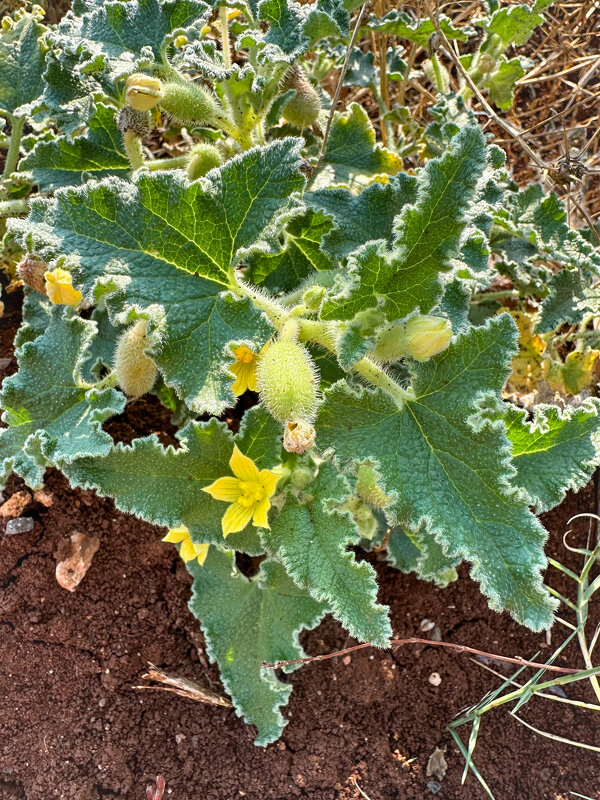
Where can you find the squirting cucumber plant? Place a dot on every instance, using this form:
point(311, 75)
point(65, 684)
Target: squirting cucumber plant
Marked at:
point(342, 280)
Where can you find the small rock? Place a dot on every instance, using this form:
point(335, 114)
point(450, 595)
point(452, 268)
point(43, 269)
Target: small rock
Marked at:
point(436, 634)
point(5, 362)
point(180, 737)
point(71, 571)
point(19, 525)
point(15, 505)
point(434, 787)
point(346, 660)
point(435, 679)
point(427, 625)
point(44, 497)
point(437, 765)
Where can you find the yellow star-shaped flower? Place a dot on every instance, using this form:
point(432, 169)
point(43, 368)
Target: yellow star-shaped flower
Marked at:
point(59, 288)
point(189, 549)
point(244, 369)
point(249, 493)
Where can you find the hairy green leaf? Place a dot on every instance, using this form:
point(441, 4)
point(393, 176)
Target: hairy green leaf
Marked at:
point(248, 622)
point(21, 66)
point(68, 162)
point(398, 23)
point(52, 416)
point(554, 452)
point(420, 553)
point(446, 462)
point(311, 538)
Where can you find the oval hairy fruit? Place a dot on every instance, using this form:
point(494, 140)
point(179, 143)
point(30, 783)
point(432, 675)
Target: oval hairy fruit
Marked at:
point(136, 372)
point(189, 102)
point(203, 158)
point(287, 381)
point(303, 109)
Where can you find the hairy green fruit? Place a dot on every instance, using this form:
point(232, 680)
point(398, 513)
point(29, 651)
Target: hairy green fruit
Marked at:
point(303, 109)
point(420, 337)
point(136, 372)
point(188, 102)
point(287, 381)
point(203, 158)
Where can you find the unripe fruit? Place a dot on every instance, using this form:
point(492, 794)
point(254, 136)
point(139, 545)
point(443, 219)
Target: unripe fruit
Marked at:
point(303, 110)
point(130, 120)
point(136, 372)
point(298, 436)
point(419, 337)
point(189, 102)
point(143, 92)
point(203, 158)
point(287, 381)
point(31, 271)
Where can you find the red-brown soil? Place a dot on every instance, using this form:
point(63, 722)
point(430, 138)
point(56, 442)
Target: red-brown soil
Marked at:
point(72, 726)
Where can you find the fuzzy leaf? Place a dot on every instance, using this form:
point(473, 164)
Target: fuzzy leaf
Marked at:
point(21, 66)
point(139, 241)
point(556, 451)
point(566, 300)
point(294, 27)
point(164, 485)
point(361, 218)
point(512, 24)
point(352, 149)
point(427, 236)
point(47, 409)
point(503, 80)
point(446, 462)
point(67, 162)
point(114, 35)
point(398, 23)
point(311, 540)
point(354, 345)
point(248, 622)
point(420, 553)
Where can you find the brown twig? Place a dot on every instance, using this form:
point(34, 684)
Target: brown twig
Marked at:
point(183, 687)
point(460, 648)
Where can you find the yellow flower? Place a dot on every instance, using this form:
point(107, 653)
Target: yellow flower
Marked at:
point(189, 550)
point(249, 493)
point(59, 288)
point(244, 369)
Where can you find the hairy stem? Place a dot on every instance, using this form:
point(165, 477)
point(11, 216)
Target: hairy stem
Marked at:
point(12, 157)
point(12, 208)
point(133, 148)
point(178, 162)
point(225, 36)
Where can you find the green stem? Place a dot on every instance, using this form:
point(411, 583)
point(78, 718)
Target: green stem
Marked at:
point(108, 382)
point(12, 157)
point(225, 36)
point(582, 615)
point(378, 377)
point(179, 162)
point(440, 78)
point(12, 208)
point(133, 148)
point(479, 296)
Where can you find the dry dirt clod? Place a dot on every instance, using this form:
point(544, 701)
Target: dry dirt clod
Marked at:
point(19, 525)
point(15, 505)
point(44, 497)
point(71, 571)
point(437, 765)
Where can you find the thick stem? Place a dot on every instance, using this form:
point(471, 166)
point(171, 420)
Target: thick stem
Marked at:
point(12, 208)
point(12, 157)
point(379, 378)
point(225, 37)
point(133, 148)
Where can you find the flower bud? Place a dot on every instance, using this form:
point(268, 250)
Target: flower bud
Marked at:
point(143, 92)
point(302, 110)
point(180, 41)
point(362, 515)
point(301, 477)
point(313, 298)
point(203, 158)
point(419, 337)
point(287, 380)
point(136, 372)
point(139, 123)
point(298, 436)
point(31, 271)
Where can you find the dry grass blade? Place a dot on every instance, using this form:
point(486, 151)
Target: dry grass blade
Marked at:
point(183, 687)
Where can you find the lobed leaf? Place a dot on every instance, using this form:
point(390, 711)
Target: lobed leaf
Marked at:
point(21, 66)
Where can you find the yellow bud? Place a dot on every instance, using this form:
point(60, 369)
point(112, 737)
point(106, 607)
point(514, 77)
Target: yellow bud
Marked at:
point(143, 92)
point(37, 12)
point(419, 337)
point(59, 288)
point(7, 23)
point(136, 372)
point(180, 41)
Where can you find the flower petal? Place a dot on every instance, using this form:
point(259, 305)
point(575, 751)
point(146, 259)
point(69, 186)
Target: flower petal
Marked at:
point(243, 467)
point(187, 550)
point(201, 552)
point(260, 514)
point(268, 480)
point(236, 518)
point(245, 373)
point(176, 535)
point(227, 489)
